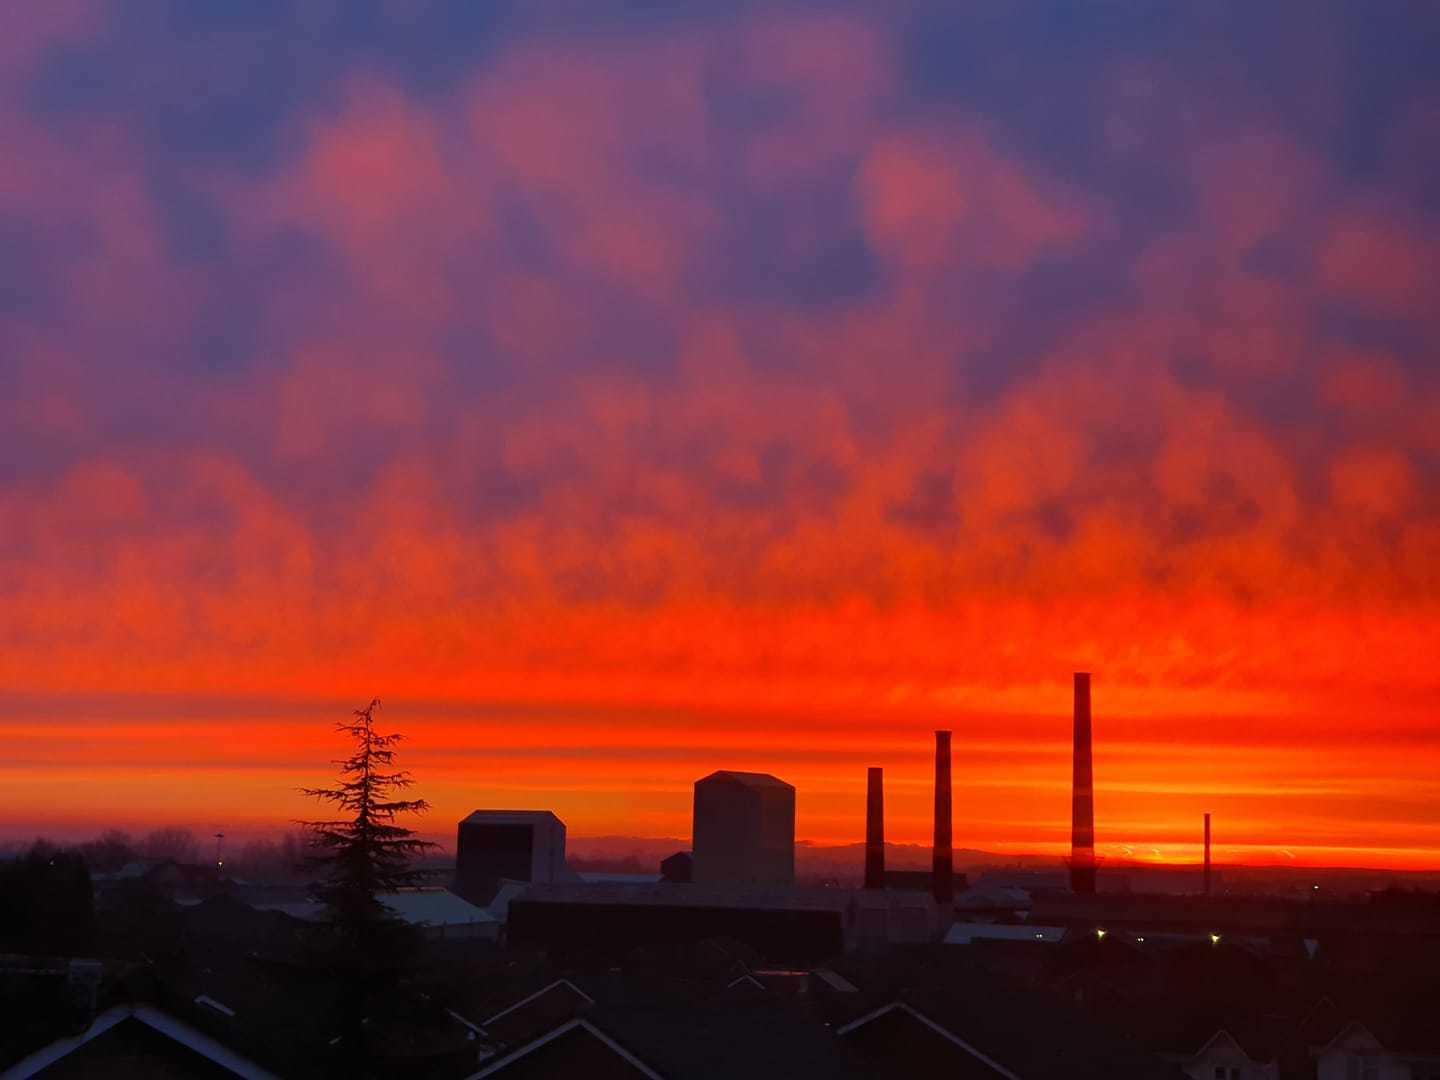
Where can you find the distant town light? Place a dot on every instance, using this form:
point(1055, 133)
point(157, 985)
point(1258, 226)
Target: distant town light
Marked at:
point(1214, 939)
point(1100, 933)
point(1141, 940)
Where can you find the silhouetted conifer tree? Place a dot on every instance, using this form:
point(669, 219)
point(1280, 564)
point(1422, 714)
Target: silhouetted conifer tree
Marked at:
point(361, 854)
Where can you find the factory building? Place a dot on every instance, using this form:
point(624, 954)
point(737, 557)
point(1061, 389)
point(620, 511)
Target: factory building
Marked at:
point(744, 830)
point(589, 921)
point(510, 845)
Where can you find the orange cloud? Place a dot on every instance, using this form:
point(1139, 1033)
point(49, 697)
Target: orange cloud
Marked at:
point(1376, 483)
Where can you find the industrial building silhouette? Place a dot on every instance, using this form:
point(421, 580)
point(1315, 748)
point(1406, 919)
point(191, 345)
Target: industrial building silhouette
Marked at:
point(744, 830)
point(492, 846)
point(739, 880)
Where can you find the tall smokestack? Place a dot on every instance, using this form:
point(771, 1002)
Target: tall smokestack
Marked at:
point(1082, 808)
point(1207, 854)
point(942, 879)
point(875, 829)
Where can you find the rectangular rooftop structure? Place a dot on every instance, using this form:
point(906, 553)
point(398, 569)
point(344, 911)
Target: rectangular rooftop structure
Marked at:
point(514, 845)
point(744, 830)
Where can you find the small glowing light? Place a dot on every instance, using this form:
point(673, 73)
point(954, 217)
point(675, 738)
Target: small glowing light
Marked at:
point(1039, 937)
point(1315, 886)
point(1214, 939)
point(1141, 940)
point(1100, 933)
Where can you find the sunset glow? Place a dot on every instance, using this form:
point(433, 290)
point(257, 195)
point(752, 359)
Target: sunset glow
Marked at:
point(693, 392)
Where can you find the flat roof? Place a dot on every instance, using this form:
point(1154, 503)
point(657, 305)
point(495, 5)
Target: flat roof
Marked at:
point(602, 877)
point(962, 933)
point(674, 894)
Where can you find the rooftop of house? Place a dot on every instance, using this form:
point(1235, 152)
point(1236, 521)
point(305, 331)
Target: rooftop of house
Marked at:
point(710, 1019)
point(434, 907)
point(137, 1034)
point(902, 1039)
point(576, 1047)
point(532, 1015)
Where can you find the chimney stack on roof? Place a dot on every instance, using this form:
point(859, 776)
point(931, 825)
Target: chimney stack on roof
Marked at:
point(1082, 809)
point(942, 880)
point(875, 829)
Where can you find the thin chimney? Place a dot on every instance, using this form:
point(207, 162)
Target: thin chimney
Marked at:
point(875, 829)
point(1082, 809)
point(1207, 854)
point(942, 880)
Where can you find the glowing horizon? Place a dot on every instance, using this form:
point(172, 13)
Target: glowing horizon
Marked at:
point(469, 755)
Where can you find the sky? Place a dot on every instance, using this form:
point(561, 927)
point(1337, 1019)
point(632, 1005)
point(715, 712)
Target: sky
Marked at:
point(622, 391)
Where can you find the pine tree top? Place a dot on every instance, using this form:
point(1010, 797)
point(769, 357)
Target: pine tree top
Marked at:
point(364, 851)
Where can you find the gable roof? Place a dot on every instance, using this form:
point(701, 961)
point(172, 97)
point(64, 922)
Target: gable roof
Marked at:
point(551, 1037)
point(1355, 1027)
point(720, 1036)
point(434, 907)
point(153, 1018)
point(558, 984)
point(915, 1014)
point(743, 982)
point(533, 1015)
point(1223, 1037)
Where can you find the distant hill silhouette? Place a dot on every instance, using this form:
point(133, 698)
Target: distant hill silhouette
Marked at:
point(846, 861)
point(811, 859)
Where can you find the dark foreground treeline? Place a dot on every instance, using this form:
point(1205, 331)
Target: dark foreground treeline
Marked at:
point(114, 849)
